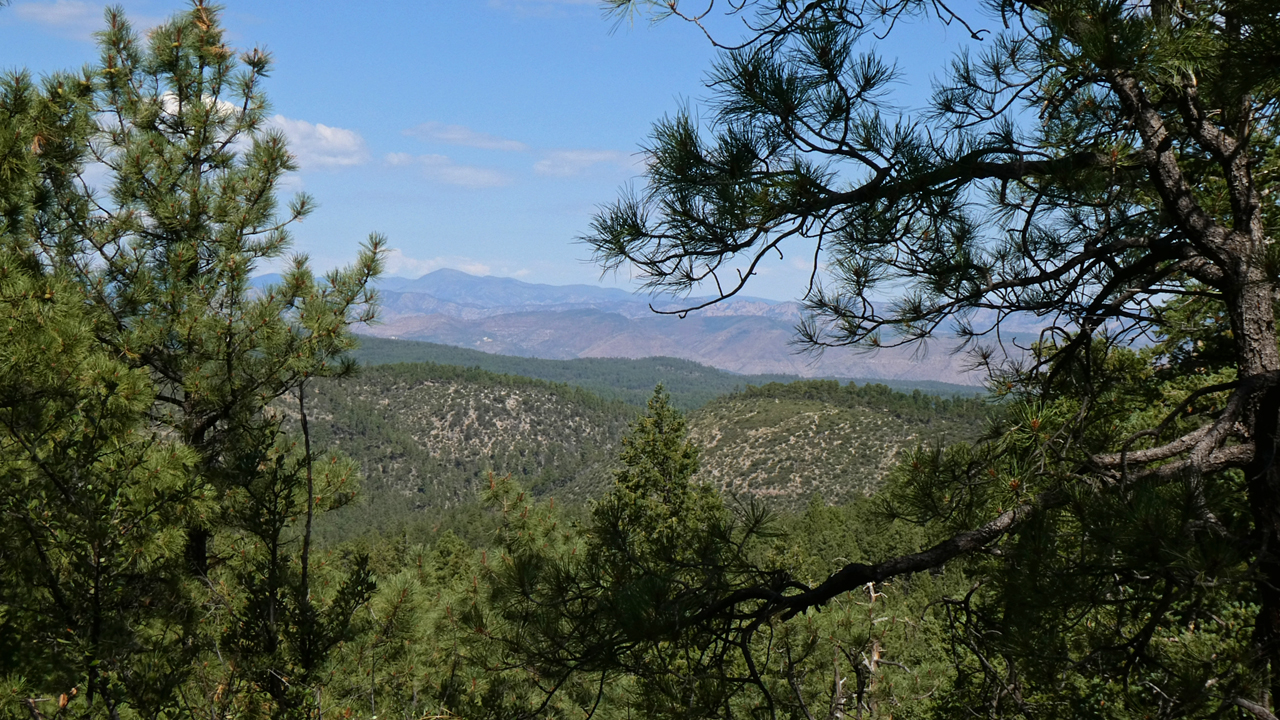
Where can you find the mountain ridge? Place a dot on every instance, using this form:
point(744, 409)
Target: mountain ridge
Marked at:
point(752, 336)
point(691, 384)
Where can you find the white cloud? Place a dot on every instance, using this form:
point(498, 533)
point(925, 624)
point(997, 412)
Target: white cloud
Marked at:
point(290, 184)
point(74, 19)
point(442, 169)
point(400, 265)
point(62, 14)
point(321, 146)
point(59, 12)
point(169, 102)
point(566, 163)
point(463, 135)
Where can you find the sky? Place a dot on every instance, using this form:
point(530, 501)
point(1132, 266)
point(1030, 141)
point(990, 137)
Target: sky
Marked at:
point(479, 135)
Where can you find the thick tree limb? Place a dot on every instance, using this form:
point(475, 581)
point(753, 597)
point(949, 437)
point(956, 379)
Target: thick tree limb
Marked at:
point(1165, 172)
point(1203, 439)
point(855, 575)
point(1254, 709)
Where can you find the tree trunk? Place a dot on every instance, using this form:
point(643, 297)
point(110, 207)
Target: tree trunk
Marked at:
point(197, 551)
point(1263, 477)
point(1253, 322)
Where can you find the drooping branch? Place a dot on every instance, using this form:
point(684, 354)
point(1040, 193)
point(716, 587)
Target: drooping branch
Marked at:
point(667, 250)
point(1204, 452)
point(968, 168)
point(773, 601)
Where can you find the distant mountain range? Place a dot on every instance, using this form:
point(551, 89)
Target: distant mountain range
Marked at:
point(746, 336)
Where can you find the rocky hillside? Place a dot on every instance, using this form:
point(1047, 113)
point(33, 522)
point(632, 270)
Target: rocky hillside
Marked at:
point(787, 443)
point(427, 437)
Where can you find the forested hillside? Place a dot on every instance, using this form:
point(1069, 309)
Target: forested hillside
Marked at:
point(427, 437)
point(786, 443)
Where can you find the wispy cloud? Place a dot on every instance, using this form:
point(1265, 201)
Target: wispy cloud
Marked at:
point(66, 17)
point(567, 163)
point(442, 169)
point(465, 136)
point(400, 265)
point(75, 19)
point(321, 146)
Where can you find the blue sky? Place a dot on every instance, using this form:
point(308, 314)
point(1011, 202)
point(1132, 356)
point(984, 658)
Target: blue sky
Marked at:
point(475, 134)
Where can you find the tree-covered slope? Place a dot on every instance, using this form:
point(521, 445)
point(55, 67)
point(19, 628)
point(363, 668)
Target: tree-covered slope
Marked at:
point(786, 443)
point(428, 436)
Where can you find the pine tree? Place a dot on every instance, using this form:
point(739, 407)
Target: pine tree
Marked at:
point(654, 509)
point(156, 431)
point(1105, 166)
point(92, 603)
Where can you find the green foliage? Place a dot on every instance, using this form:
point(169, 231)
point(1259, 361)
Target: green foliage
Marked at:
point(1109, 597)
point(618, 599)
point(655, 514)
point(94, 498)
point(1108, 167)
point(92, 599)
point(167, 456)
point(958, 412)
point(600, 602)
point(427, 437)
point(157, 553)
point(168, 435)
point(787, 443)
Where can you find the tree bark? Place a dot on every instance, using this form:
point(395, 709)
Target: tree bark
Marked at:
point(1253, 323)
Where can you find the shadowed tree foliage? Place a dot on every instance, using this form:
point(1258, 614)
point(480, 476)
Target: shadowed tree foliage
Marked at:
point(1106, 166)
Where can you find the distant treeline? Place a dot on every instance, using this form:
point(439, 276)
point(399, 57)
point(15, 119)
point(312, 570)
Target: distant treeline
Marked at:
point(915, 406)
point(415, 373)
point(690, 384)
